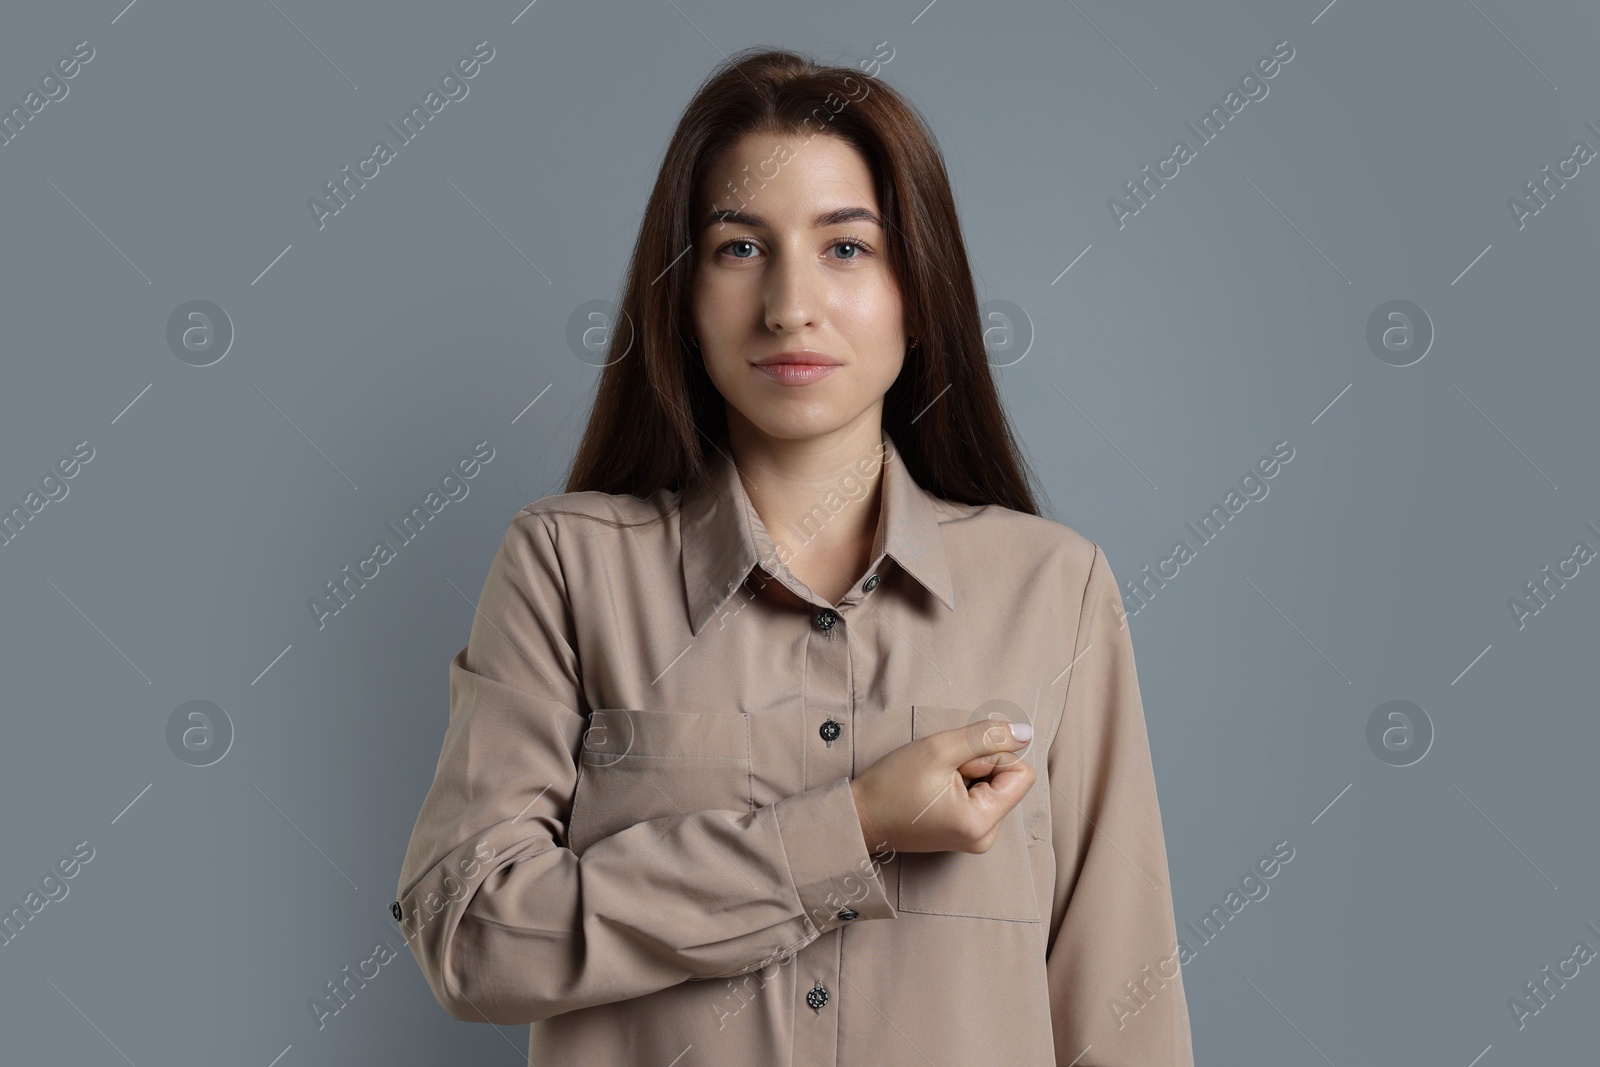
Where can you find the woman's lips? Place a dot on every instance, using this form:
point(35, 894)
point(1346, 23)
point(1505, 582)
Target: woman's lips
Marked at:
point(796, 373)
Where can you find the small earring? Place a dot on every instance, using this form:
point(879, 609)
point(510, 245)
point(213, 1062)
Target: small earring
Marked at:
point(694, 342)
point(915, 341)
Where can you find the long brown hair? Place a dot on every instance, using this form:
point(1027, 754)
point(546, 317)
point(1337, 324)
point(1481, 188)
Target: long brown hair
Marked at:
point(656, 412)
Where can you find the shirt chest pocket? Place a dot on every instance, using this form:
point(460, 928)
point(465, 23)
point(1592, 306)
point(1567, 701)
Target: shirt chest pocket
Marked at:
point(638, 765)
point(997, 884)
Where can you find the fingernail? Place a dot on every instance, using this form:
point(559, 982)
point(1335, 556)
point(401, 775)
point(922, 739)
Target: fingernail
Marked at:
point(1022, 731)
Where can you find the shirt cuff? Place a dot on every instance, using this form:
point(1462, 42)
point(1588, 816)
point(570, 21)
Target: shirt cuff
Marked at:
point(838, 881)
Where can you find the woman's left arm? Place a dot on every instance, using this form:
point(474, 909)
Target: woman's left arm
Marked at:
point(1116, 989)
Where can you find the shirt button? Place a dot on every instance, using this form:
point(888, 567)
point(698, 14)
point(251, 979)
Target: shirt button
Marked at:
point(825, 620)
point(829, 730)
point(817, 996)
point(394, 909)
point(849, 913)
point(870, 584)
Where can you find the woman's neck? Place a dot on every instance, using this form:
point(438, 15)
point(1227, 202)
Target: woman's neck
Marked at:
point(812, 496)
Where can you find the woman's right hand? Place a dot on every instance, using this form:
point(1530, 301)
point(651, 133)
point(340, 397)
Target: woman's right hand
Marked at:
point(915, 799)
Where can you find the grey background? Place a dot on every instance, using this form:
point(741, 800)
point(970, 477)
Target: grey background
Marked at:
point(1228, 315)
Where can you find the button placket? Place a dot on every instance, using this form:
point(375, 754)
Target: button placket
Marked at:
point(830, 702)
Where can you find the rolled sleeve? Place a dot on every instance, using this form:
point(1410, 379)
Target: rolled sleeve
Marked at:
point(828, 859)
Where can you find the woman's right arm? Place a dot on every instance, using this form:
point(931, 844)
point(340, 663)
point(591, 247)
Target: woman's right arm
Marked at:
point(508, 924)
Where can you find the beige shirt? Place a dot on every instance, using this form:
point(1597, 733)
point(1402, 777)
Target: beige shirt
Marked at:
point(641, 837)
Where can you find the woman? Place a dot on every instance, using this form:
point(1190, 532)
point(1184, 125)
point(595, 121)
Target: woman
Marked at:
point(728, 777)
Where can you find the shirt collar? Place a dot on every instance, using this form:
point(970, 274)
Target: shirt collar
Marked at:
point(722, 536)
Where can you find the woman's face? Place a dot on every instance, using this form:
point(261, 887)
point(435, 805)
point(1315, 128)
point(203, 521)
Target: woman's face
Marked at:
point(794, 264)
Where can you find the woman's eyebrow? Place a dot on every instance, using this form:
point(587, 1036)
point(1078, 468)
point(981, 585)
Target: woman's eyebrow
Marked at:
point(827, 218)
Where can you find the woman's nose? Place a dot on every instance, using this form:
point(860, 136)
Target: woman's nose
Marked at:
point(790, 299)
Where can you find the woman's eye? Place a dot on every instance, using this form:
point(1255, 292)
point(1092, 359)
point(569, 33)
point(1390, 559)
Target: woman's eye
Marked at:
point(859, 249)
point(738, 244)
